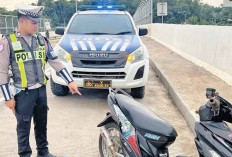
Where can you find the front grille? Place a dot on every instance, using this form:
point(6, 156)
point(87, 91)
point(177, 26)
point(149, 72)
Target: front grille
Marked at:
point(92, 62)
point(99, 59)
point(99, 75)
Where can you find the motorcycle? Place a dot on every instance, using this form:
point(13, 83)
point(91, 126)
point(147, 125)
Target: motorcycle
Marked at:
point(132, 130)
point(213, 135)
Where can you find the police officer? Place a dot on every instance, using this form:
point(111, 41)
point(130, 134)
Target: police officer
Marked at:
point(24, 53)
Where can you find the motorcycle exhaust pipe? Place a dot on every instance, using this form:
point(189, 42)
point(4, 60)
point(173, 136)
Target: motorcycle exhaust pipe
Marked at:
point(105, 135)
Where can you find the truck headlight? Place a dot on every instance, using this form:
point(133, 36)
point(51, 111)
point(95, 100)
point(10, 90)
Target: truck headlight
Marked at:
point(136, 56)
point(62, 54)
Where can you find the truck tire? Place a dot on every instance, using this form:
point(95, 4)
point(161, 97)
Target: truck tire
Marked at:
point(59, 90)
point(138, 92)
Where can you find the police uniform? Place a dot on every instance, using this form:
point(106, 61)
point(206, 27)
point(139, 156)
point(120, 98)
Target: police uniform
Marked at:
point(25, 57)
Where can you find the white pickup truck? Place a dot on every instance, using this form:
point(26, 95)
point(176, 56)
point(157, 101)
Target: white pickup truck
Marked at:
point(102, 49)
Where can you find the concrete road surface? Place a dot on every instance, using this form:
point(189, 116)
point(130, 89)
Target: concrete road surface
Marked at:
point(72, 122)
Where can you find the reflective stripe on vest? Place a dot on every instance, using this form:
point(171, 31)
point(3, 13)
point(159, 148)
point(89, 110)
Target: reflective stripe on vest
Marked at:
point(42, 49)
point(16, 47)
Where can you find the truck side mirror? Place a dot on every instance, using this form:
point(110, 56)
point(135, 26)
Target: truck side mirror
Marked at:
point(60, 30)
point(143, 31)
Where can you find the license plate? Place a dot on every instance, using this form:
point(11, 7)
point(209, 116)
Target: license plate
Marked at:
point(102, 84)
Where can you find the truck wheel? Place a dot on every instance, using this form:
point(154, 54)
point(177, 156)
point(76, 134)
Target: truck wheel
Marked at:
point(138, 92)
point(59, 90)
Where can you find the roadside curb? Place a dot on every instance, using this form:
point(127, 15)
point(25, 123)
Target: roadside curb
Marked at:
point(189, 115)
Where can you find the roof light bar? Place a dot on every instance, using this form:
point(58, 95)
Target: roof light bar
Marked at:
point(103, 5)
point(100, 7)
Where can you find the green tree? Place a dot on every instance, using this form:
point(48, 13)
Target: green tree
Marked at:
point(194, 12)
point(193, 20)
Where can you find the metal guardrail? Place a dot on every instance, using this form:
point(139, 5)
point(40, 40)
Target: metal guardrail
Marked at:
point(144, 13)
point(8, 23)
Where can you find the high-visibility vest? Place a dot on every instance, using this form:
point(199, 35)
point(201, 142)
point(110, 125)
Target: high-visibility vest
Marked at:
point(27, 63)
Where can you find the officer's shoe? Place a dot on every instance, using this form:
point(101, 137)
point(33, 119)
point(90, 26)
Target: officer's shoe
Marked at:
point(48, 155)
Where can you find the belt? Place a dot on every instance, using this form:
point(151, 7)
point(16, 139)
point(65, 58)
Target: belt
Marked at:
point(17, 90)
point(37, 85)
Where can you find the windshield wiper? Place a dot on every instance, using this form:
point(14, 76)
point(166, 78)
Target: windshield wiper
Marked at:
point(121, 33)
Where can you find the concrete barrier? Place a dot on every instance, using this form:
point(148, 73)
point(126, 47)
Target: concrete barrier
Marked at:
point(207, 46)
point(188, 114)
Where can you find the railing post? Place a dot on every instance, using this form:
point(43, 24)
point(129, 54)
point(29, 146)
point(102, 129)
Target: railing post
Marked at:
point(12, 20)
point(6, 24)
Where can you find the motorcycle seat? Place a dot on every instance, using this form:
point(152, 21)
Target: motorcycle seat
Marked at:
point(142, 118)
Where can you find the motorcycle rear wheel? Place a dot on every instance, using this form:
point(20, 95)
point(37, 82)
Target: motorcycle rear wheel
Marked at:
point(114, 132)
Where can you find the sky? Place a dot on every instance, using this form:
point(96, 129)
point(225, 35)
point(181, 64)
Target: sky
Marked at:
point(10, 4)
point(215, 3)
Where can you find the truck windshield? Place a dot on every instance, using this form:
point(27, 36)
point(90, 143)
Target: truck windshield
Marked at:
point(97, 24)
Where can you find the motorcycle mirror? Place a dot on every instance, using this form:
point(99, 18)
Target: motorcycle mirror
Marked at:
point(210, 92)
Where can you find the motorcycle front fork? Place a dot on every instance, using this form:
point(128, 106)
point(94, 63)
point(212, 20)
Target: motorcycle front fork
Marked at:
point(105, 135)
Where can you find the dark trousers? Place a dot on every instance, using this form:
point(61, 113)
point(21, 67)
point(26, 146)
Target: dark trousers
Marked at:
point(32, 103)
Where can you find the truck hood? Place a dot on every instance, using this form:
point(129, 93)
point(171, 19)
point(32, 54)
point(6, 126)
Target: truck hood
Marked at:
point(126, 43)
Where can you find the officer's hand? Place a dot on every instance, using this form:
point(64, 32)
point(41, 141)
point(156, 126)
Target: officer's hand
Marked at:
point(73, 88)
point(11, 104)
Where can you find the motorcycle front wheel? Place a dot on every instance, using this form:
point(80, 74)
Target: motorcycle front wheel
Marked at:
point(114, 133)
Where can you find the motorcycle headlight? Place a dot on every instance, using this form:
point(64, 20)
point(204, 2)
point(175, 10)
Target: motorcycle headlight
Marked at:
point(62, 54)
point(136, 56)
